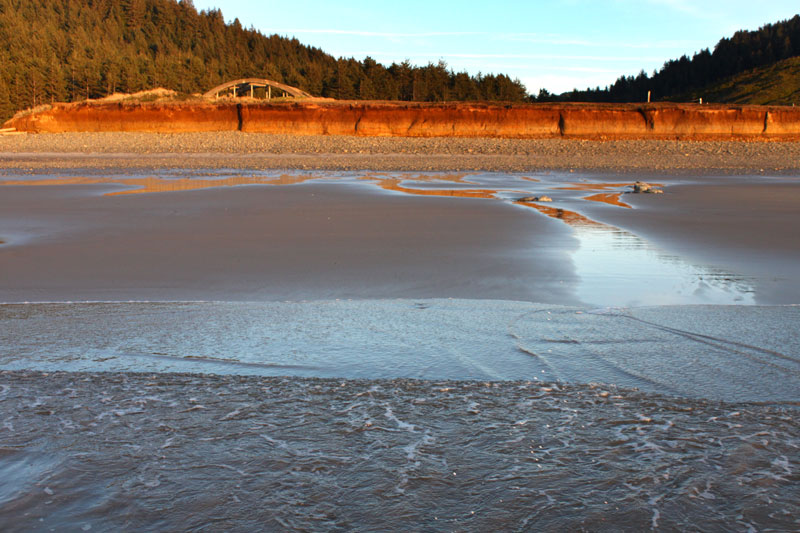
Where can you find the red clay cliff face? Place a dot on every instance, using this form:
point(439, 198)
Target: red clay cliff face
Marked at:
point(706, 120)
point(533, 121)
point(403, 120)
point(167, 118)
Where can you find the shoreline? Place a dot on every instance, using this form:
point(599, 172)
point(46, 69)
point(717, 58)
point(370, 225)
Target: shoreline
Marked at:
point(172, 378)
point(255, 151)
point(422, 339)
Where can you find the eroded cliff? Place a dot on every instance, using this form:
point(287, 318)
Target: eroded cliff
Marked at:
point(587, 121)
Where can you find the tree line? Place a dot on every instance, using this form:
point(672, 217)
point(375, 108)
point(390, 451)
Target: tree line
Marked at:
point(70, 50)
point(744, 51)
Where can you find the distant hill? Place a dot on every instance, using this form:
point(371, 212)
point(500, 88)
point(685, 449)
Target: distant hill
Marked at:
point(776, 84)
point(753, 58)
point(68, 50)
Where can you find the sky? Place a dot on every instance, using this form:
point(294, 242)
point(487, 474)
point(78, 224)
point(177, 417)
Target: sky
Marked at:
point(558, 45)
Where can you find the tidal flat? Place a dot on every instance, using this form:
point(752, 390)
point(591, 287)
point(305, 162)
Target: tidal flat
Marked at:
point(395, 340)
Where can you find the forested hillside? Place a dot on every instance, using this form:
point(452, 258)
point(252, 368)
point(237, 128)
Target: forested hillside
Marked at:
point(773, 84)
point(745, 51)
point(67, 50)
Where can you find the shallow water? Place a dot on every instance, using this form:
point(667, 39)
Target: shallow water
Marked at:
point(178, 452)
point(733, 353)
point(617, 268)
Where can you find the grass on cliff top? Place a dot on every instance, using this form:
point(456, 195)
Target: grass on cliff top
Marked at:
point(776, 84)
point(158, 95)
point(161, 96)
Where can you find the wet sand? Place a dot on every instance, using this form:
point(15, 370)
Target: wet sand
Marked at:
point(189, 235)
point(710, 215)
point(308, 241)
point(748, 224)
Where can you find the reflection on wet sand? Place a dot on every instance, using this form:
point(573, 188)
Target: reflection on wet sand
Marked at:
point(434, 185)
point(608, 198)
point(148, 185)
point(593, 186)
point(156, 184)
point(387, 182)
point(617, 268)
point(570, 217)
point(605, 251)
point(54, 182)
point(601, 188)
point(395, 184)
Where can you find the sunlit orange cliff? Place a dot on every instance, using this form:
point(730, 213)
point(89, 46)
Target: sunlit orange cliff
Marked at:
point(409, 119)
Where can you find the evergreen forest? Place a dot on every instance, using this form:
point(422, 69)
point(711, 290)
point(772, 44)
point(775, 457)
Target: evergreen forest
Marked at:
point(69, 50)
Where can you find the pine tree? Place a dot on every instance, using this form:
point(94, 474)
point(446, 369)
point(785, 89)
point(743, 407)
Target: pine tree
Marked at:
point(76, 49)
point(6, 107)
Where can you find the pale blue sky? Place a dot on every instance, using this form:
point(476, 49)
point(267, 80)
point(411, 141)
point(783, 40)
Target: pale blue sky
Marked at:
point(556, 44)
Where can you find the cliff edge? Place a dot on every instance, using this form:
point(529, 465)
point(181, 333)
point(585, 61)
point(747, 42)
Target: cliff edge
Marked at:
point(410, 119)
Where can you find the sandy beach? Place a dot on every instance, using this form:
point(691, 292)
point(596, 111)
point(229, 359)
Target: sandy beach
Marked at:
point(334, 331)
point(262, 151)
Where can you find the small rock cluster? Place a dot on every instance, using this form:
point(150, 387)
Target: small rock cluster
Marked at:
point(535, 199)
point(642, 187)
